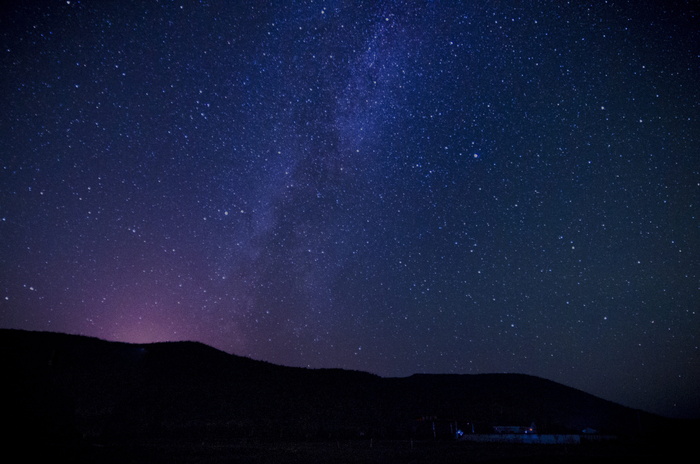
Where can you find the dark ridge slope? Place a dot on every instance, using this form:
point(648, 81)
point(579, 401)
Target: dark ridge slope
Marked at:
point(63, 387)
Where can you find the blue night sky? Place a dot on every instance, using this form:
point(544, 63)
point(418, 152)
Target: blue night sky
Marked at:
point(393, 187)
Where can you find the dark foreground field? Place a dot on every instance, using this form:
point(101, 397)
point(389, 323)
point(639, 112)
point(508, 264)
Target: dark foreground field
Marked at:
point(363, 451)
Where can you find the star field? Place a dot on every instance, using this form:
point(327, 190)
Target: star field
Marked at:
point(393, 187)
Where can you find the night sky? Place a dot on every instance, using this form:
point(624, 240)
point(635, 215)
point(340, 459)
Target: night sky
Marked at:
point(392, 187)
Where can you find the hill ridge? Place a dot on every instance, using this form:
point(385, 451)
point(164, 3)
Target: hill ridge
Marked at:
point(107, 391)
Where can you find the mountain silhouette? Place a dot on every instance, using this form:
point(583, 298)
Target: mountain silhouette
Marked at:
point(63, 388)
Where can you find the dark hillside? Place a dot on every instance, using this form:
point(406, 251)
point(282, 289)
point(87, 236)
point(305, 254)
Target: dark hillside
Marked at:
point(64, 388)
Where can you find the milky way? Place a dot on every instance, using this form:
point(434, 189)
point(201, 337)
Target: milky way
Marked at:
point(393, 187)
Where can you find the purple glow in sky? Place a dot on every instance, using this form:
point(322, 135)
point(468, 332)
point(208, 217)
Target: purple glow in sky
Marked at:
point(393, 187)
